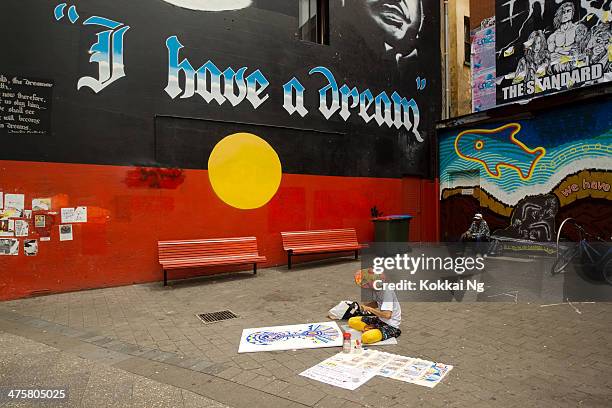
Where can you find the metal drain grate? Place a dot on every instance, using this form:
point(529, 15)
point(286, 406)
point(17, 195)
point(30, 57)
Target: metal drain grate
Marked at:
point(213, 317)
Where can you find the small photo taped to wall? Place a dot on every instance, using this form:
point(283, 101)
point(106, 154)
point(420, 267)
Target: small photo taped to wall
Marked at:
point(9, 246)
point(30, 247)
point(39, 221)
point(65, 232)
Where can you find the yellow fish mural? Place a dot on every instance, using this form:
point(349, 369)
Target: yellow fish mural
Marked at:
point(497, 148)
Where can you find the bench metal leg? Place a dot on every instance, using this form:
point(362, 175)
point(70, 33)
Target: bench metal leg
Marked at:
point(254, 269)
point(165, 278)
point(289, 259)
point(357, 254)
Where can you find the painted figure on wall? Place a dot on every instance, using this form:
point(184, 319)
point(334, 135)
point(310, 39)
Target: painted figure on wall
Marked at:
point(533, 219)
point(399, 23)
point(575, 50)
point(391, 32)
point(211, 5)
point(536, 60)
point(599, 44)
point(566, 40)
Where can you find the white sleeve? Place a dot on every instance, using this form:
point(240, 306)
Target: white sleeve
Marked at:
point(386, 301)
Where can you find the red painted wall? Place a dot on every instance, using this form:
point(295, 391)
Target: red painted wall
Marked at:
point(128, 215)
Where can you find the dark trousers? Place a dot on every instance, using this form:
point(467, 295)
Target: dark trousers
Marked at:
point(386, 330)
point(480, 243)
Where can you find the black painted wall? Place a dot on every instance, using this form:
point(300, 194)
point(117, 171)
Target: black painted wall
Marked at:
point(133, 121)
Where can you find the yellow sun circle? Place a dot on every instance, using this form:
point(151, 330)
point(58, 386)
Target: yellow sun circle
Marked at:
point(244, 171)
point(479, 145)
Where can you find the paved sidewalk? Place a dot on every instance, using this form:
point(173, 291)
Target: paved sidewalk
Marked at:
point(504, 354)
point(28, 364)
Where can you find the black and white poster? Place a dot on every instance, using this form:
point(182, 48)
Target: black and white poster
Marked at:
point(547, 46)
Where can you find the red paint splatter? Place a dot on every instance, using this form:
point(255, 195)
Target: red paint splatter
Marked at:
point(155, 177)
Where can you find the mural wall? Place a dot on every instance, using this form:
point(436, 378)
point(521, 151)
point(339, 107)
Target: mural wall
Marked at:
point(372, 95)
point(547, 46)
point(179, 119)
point(527, 176)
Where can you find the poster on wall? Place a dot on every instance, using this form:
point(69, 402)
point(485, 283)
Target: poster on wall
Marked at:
point(41, 204)
point(70, 215)
point(14, 204)
point(39, 221)
point(43, 225)
point(7, 228)
point(22, 228)
point(65, 232)
point(548, 46)
point(483, 66)
point(9, 246)
point(16, 201)
point(30, 247)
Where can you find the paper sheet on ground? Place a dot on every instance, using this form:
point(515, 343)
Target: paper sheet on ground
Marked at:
point(415, 371)
point(407, 369)
point(355, 334)
point(334, 371)
point(299, 336)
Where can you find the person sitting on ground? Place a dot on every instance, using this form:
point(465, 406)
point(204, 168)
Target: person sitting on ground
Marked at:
point(478, 232)
point(381, 317)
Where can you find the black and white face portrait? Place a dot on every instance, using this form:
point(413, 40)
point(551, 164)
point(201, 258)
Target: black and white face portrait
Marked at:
point(211, 5)
point(399, 20)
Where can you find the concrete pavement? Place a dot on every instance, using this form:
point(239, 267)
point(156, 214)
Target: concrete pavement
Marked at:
point(505, 354)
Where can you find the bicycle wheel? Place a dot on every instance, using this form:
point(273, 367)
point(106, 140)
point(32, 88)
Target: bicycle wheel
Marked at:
point(607, 271)
point(563, 259)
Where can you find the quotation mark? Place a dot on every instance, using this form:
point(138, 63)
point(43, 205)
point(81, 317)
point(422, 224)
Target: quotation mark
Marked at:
point(421, 83)
point(72, 13)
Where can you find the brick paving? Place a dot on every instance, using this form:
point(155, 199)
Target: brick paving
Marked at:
point(24, 363)
point(505, 354)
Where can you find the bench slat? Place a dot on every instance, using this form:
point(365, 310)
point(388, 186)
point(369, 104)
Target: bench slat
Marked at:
point(174, 263)
point(208, 252)
point(320, 241)
point(319, 238)
point(200, 252)
point(327, 248)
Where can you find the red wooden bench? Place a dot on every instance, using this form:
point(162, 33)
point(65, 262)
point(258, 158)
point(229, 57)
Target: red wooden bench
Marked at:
point(320, 241)
point(208, 252)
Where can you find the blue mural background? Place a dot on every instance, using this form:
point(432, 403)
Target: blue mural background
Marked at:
point(573, 178)
point(574, 134)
